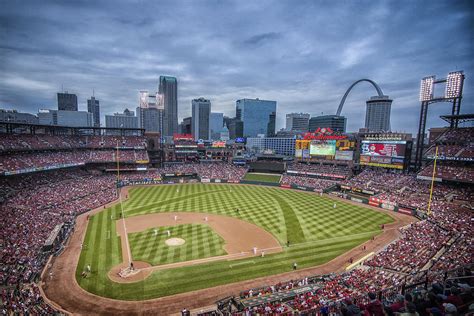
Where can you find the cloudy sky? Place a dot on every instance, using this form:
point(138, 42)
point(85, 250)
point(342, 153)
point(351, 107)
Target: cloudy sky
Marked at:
point(303, 54)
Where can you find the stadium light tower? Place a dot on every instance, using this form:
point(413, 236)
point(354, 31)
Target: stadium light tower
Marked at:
point(452, 93)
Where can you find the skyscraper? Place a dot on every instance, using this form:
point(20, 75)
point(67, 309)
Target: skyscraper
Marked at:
point(186, 125)
point(149, 112)
point(201, 113)
point(258, 116)
point(168, 88)
point(335, 122)
point(297, 122)
point(119, 120)
point(93, 107)
point(67, 101)
point(377, 114)
point(217, 122)
point(149, 119)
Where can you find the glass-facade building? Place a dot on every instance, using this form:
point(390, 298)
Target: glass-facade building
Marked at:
point(335, 122)
point(217, 123)
point(67, 101)
point(258, 116)
point(168, 88)
point(201, 111)
point(377, 114)
point(94, 108)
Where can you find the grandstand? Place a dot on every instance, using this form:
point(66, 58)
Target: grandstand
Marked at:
point(50, 177)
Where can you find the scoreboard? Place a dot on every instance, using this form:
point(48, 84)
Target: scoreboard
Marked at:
point(383, 153)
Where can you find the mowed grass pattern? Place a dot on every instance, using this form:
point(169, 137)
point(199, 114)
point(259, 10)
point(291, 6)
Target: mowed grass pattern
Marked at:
point(318, 232)
point(200, 242)
point(262, 177)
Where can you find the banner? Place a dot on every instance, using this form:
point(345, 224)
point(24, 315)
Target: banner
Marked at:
point(405, 211)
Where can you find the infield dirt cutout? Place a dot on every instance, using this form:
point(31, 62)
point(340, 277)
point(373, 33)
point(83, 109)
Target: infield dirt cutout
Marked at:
point(175, 242)
point(240, 239)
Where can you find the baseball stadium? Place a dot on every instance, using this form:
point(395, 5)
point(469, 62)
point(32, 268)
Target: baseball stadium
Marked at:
point(114, 222)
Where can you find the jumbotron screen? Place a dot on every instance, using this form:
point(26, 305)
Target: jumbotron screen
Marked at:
point(322, 148)
point(387, 154)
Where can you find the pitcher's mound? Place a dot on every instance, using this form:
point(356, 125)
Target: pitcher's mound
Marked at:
point(175, 241)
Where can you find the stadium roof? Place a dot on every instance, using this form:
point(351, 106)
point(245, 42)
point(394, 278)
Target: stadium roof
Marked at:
point(460, 118)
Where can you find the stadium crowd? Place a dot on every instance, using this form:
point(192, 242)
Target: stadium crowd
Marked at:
point(317, 184)
point(328, 168)
point(45, 159)
point(22, 142)
point(33, 204)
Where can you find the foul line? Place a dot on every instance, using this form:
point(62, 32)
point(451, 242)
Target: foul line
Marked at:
point(241, 263)
point(125, 229)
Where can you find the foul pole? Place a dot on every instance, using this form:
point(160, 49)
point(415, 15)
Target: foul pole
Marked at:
point(432, 181)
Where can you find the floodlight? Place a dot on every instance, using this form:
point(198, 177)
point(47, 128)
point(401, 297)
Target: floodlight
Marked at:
point(160, 104)
point(143, 99)
point(426, 88)
point(453, 84)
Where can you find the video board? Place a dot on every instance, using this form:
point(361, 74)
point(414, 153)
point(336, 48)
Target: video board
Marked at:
point(386, 154)
point(322, 148)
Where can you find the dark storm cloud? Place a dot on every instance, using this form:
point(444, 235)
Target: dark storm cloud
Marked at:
point(261, 38)
point(303, 54)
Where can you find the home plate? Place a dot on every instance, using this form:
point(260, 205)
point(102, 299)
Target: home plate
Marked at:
point(175, 241)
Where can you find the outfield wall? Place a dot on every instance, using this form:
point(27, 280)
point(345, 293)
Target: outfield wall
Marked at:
point(372, 201)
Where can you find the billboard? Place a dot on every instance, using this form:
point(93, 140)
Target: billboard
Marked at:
point(322, 148)
point(218, 144)
point(383, 153)
point(344, 155)
point(302, 148)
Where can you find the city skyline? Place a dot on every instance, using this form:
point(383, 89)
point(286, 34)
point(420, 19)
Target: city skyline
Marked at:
point(284, 56)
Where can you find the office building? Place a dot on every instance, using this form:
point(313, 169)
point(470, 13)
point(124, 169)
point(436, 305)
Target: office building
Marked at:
point(271, 125)
point(297, 122)
point(201, 114)
point(67, 101)
point(377, 114)
point(93, 107)
point(149, 119)
point(150, 112)
point(335, 122)
point(65, 118)
point(217, 122)
point(13, 116)
point(168, 89)
point(186, 126)
point(236, 128)
point(127, 119)
point(258, 116)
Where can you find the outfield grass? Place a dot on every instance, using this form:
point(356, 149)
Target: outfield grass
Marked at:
point(317, 231)
point(262, 177)
point(200, 242)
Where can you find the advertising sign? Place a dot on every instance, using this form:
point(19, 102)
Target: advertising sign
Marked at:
point(323, 148)
point(344, 155)
point(386, 154)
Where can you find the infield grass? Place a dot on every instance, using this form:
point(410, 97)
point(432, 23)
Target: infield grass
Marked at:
point(317, 232)
point(200, 242)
